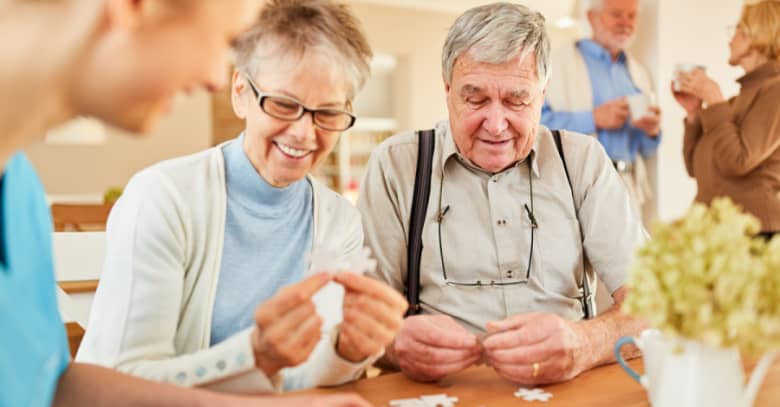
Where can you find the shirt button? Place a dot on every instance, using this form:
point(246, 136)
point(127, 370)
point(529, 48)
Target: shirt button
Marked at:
point(221, 365)
point(181, 377)
point(509, 274)
point(200, 371)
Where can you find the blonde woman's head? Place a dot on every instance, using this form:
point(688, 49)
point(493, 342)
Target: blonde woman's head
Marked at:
point(760, 23)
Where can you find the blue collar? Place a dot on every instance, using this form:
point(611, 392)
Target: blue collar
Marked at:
point(594, 50)
point(248, 188)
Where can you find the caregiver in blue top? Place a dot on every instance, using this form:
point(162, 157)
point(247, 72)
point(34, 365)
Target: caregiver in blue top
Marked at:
point(204, 283)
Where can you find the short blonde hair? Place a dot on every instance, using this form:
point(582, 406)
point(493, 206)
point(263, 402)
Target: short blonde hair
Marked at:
point(292, 28)
point(761, 22)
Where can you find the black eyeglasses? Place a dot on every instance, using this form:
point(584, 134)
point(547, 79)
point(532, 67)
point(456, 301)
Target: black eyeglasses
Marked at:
point(490, 283)
point(288, 109)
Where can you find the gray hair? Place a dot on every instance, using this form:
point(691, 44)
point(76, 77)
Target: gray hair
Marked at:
point(496, 33)
point(292, 28)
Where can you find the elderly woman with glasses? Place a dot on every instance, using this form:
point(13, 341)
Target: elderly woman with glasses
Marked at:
point(206, 281)
point(732, 147)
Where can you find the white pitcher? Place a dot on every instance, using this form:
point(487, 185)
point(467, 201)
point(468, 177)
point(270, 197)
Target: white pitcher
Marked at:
point(689, 373)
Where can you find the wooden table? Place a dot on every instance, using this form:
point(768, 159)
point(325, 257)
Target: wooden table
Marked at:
point(480, 386)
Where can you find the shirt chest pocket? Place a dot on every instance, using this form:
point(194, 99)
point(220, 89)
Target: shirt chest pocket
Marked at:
point(560, 259)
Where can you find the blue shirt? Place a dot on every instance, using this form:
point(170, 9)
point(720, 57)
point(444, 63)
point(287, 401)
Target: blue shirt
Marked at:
point(268, 232)
point(610, 80)
point(33, 345)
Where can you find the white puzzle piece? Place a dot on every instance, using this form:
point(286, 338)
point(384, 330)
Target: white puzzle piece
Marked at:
point(324, 259)
point(533, 394)
point(431, 400)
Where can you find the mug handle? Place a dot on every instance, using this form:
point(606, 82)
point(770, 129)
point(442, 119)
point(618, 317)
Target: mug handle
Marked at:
point(626, 340)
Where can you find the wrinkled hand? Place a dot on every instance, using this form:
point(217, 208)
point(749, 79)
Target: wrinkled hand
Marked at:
point(373, 313)
point(698, 84)
point(689, 102)
point(611, 115)
point(288, 326)
point(334, 400)
point(516, 343)
point(430, 347)
point(649, 123)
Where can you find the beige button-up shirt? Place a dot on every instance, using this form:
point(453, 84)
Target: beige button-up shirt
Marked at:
point(478, 229)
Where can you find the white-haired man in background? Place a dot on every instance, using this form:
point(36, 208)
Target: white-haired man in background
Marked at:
point(589, 94)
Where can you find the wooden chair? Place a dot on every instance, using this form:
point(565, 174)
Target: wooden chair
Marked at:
point(80, 217)
point(75, 334)
point(78, 261)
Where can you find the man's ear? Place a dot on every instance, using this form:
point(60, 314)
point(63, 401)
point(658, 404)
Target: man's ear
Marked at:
point(592, 15)
point(238, 91)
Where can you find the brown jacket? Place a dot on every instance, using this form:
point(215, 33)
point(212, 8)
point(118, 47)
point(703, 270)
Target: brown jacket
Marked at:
point(734, 148)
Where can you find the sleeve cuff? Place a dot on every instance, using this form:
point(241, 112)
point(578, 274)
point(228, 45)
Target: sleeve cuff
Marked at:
point(340, 370)
point(235, 370)
point(585, 122)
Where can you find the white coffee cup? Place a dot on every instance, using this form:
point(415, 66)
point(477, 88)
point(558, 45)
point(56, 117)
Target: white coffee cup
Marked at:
point(687, 68)
point(638, 105)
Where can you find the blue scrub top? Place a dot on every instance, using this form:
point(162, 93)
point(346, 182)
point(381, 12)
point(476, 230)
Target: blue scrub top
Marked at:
point(33, 345)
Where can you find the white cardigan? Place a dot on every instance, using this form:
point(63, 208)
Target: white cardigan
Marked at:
point(570, 89)
point(152, 312)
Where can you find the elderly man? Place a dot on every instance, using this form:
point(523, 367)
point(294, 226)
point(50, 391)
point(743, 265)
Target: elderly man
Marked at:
point(593, 78)
point(505, 236)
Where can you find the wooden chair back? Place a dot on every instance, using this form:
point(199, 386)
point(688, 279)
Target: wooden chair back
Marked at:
point(80, 217)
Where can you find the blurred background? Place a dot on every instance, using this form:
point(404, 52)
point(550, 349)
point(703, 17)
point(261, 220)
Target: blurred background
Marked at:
point(82, 160)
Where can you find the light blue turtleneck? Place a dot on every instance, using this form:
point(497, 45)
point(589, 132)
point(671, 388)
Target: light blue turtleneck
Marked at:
point(268, 232)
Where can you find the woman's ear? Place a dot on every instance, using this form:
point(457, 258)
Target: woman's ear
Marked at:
point(239, 90)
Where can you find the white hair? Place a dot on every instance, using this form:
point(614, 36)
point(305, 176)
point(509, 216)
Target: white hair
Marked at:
point(595, 4)
point(496, 33)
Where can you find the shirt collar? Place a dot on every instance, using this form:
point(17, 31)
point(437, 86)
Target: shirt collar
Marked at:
point(450, 150)
point(596, 51)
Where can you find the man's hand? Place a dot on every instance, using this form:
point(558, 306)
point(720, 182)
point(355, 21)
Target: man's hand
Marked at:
point(288, 326)
point(430, 347)
point(373, 313)
point(611, 115)
point(535, 348)
point(649, 123)
point(334, 400)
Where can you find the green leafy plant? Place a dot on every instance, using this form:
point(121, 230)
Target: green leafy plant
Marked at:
point(112, 194)
point(706, 277)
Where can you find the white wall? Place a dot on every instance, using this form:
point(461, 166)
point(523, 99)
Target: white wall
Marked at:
point(689, 31)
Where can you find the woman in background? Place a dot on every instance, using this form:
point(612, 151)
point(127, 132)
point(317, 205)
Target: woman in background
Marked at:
point(732, 147)
point(120, 61)
point(205, 254)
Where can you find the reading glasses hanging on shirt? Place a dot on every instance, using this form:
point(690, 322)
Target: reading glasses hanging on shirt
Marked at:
point(489, 283)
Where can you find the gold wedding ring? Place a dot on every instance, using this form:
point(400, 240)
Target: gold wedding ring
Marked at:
point(536, 370)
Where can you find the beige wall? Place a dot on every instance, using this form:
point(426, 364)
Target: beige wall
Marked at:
point(85, 169)
point(690, 31)
point(415, 38)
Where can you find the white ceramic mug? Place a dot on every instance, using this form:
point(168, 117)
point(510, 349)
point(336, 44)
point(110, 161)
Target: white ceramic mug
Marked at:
point(638, 105)
point(687, 68)
point(654, 349)
point(688, 373)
